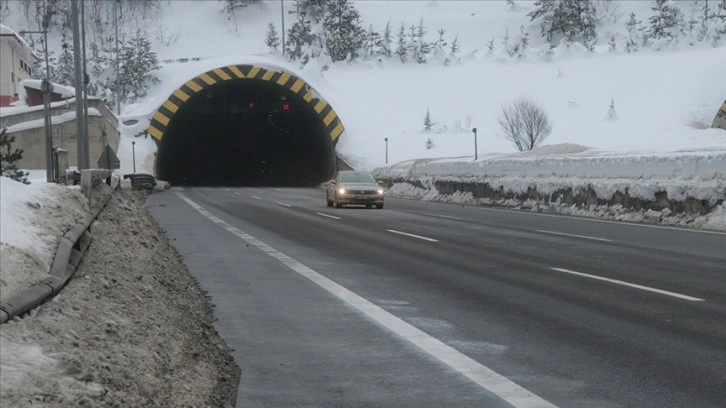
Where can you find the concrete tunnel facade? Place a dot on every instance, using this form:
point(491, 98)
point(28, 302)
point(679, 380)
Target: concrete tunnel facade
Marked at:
point(244, 125)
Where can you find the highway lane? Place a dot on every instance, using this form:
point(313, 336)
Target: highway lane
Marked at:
point(516, 292)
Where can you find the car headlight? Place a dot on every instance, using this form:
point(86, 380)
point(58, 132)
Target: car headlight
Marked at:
point(341, 191)
point(380, 191)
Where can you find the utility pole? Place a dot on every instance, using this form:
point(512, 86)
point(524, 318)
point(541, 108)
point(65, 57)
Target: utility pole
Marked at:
point(46, 87)
point(476, 153)
point(82, 141)
point(386, 139)
point(118, 68)
point(85, 77)
point(282, 17)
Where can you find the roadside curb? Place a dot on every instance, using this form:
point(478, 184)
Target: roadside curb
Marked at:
point(71, 247)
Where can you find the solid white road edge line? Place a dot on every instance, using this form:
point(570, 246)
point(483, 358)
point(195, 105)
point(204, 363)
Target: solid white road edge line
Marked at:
point(329, 216)
point(632, 285)
point(485, 377)
point(575, 236)
point(413, 235)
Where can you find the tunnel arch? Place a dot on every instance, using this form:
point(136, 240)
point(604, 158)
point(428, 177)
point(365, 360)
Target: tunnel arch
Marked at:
point(318, 126)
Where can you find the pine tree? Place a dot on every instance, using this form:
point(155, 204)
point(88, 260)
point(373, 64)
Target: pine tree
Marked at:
point(523, 42)
point(342, 30)
point(137, 63)
point(231, 6)
point(455, 47)
point(372, 43)
point(272, 39)
point(428, 123)
point(635, 34)
point(64, 71)
point(8, 158)
point(666, 21)
point(402, 49)
point(387, 41)
point(300, 38)
point(421, 47)
point(314, 9)
point(575, 20)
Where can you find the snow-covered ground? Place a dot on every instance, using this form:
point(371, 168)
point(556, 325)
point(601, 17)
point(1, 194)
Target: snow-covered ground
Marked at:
point(664, 101)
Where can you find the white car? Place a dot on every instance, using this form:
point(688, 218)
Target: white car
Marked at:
point(354, 187)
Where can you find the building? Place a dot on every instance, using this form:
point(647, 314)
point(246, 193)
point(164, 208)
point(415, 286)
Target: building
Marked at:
point(16, 64)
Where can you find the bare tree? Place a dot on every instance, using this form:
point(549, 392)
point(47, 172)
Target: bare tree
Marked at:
point(524, 123)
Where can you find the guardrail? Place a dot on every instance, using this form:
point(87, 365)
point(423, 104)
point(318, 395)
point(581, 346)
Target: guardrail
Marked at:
point(88, 178)
point(68, 256)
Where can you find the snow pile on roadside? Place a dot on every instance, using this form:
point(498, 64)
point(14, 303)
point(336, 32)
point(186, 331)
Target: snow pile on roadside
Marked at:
point(132, 328)
point(33, 219)
point(698, 175)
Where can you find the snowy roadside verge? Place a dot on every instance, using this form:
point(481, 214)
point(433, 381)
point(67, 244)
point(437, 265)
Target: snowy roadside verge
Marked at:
point(132, 328)
point(683, 188)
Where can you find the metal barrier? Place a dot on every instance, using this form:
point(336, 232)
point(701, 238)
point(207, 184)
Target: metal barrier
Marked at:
point(140, 181)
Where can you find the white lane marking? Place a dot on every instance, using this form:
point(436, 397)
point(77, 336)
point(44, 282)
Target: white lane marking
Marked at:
point(483, 376)
point(256, 197)
point(413, 235)
point(632, 224)
point(632, 285)
point(237, 192)
point(443, 216)
point(575, 236)
point(329, 216)
point(283, 204)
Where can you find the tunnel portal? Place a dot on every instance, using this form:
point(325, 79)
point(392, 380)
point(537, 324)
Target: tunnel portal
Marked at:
point(245, 127)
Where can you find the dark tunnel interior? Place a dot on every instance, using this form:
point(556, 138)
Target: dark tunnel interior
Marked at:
point(245, 133)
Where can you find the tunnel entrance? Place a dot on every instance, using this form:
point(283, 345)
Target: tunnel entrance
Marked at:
point(245, 131)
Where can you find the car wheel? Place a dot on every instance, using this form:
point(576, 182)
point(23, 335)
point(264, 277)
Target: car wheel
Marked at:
point(336, 203)
point(327, 201)
point(379, 206)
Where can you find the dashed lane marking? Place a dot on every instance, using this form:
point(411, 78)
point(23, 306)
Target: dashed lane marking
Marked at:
point(575, 236)
point(413, 235)
point(632, 285)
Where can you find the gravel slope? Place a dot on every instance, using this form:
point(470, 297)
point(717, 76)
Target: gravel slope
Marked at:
point(132, 328)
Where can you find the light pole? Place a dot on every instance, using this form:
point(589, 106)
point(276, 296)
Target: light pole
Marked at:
point(82, 159)
point(476, 154)
point(46, 88)
point(85, 77)
point(282, 18)
point(386, 139)
point(118, 69)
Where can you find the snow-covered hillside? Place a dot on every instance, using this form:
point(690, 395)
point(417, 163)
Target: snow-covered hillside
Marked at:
point(664, 101)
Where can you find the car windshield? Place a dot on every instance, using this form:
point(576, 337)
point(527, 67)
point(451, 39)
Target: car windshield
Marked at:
point(356, 178)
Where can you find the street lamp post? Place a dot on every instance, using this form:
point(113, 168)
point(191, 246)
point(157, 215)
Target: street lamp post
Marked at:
point(85, 77)
point(46, 88)
point(386, 139)
point(476, 153)
point(118, 67)
point(282, 18)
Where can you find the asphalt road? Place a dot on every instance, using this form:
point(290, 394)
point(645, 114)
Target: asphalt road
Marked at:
point(430, 305)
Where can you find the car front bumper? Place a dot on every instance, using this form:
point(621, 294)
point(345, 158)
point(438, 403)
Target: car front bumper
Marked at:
point(360, 199)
